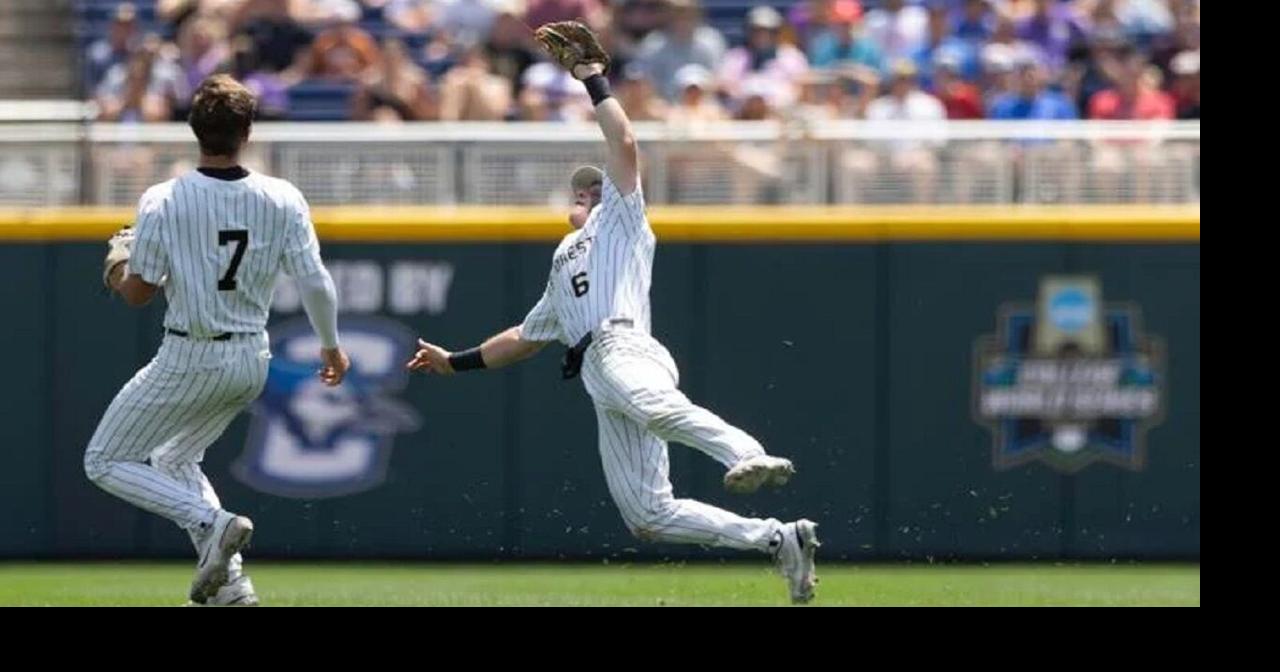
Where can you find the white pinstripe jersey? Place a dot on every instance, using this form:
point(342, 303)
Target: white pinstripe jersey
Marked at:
point(599, 272)
point(221, 244)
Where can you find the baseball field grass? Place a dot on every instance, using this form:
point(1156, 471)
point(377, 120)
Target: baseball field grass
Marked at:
point(509, 584)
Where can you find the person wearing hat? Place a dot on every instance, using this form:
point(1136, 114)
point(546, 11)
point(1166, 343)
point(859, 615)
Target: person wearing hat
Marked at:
point(905, 101)
point(638, 95)
point(961, 99)
point(686, 40)
point(123, 36)
point(764, 58)
point(596, 302)
point(1186, 84)
point(696, 101)
point(899, 29)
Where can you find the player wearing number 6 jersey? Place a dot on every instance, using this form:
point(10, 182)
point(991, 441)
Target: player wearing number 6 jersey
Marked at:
point(597, 303)
point(215, 240)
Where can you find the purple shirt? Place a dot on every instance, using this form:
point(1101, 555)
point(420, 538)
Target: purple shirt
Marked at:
point(1052, 33)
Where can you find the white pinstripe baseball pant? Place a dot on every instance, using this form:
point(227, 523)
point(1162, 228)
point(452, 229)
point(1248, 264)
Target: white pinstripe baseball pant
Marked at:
point(632, 379)
point(169, 413)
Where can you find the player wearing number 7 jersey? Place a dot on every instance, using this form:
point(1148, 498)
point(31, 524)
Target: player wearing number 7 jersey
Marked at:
point(215, 240)
point(597, 303)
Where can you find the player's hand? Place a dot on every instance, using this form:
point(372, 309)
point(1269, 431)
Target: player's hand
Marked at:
point(334, 366)
point(583, 71)
point(430, 358)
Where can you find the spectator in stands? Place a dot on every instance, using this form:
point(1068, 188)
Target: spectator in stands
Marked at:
point(630, 22)
point(899, 29)
point(539, 12)
point(203, 50)
point(176, 13)
point(472, 92)
point(639, 96)
point(1141, 20)
point(685, 40)
point(1117, 163)
point(510, 47)
point(113, 49)
point(914, 158)
point(141, 89)
point(843, 42)
point(1053, 27)
point(549, 93)
point(997, 71)
point(411, 16)
point(344, 52)
point(1030, 98)
point(819, 100)
point(905, 101)
point(976, 22)
point(463, 21)
point(1184, 37)
point(397, 88)
point(942, 43)
point(277, 37)
point(961, 99)
point(1097, 68)
point(755, 102)
point(778, 68)
point(320, 14)
point(267, 87)
point(696, 102)
point(1186, 85)
point(1133, 96)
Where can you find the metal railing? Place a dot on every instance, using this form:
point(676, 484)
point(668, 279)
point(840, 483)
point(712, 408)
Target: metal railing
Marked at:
point(64, 162)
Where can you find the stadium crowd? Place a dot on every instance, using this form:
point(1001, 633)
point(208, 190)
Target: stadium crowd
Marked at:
point(675, 60)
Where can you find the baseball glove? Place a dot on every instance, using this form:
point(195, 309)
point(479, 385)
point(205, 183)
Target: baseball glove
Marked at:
point(119, 248)
point(571, 43)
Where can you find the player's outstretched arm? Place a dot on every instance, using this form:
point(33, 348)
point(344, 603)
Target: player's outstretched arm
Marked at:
point(623, 156)
point(499, 351)
point(576, 48)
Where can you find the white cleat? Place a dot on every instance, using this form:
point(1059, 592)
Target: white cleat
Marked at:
point(794, 558)
point(238, 593)
point(229, 534)
point(750, 474)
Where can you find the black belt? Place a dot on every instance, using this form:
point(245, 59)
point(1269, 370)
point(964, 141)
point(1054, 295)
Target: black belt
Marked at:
point(571, 365)
point(220, 337)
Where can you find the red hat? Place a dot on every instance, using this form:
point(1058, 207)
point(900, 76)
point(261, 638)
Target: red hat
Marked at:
point(846, 11)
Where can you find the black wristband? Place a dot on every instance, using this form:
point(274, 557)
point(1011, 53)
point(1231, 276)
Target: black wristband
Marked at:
point(598, 88)
point(467, 360)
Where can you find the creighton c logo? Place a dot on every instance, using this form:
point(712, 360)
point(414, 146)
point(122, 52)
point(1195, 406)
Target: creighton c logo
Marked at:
point(311, 441)
point(1069, 380)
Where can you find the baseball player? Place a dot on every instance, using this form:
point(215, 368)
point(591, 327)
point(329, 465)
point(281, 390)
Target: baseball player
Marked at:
point(215, 239)
point(597, 302)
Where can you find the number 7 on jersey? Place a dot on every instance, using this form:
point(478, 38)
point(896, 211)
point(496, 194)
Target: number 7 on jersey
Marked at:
point(241, 238)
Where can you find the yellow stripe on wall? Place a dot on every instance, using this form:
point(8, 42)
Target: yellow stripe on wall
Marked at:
point(726, 224)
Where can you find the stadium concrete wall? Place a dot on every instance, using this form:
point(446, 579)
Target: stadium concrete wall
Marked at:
point(845, 339)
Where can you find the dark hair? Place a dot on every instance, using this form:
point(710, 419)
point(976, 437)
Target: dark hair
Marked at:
point(221, 113)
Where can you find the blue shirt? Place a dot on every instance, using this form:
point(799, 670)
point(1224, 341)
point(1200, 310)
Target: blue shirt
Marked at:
point(826, 51)
point(1047, 105)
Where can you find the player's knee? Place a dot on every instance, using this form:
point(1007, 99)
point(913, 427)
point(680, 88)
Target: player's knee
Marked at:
point(651, 522)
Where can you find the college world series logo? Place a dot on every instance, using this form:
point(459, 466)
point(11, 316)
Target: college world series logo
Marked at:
point(307, 440)
point(1069, 380)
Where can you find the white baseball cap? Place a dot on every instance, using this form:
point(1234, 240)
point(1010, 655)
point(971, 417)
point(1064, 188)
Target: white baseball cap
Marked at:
point(692, 74)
